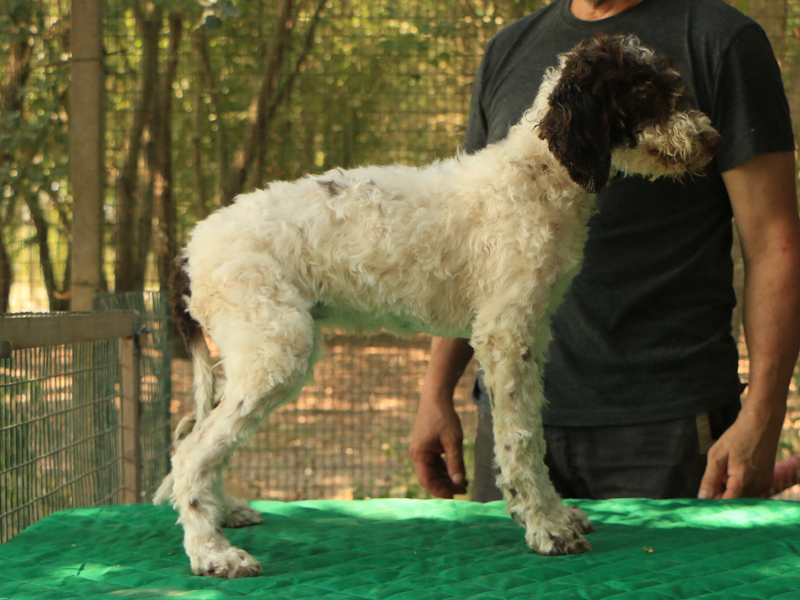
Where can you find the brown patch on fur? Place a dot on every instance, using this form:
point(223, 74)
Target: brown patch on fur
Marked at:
point(180, 288)
point(330, 186)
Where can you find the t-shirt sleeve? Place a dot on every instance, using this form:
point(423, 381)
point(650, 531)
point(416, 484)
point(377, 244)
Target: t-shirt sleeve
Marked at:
point(750, 106)
point(477, 132)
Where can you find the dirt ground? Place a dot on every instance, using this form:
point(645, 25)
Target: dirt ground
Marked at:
point(346, 436)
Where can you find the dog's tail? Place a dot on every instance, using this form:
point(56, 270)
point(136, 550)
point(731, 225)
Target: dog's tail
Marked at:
point(202, 367)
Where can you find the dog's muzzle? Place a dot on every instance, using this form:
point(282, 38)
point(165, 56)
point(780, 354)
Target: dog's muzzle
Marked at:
point(712, 142)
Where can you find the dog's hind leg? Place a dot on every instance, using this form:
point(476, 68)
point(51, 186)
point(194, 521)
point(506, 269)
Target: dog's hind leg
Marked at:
point(266, 358)
point(235, 512)
point(513, 376)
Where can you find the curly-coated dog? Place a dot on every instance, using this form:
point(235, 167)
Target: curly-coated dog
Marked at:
point(481, 246)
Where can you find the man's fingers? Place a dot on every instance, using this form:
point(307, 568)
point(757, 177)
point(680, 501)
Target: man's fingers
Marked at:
point(441, 488)
point(734, 488)
point(432, 474)
point(441, 479)
point(456, 471)
point(438, 432)
point(715, 479)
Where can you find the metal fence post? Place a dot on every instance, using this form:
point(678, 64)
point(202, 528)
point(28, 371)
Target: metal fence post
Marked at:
point(130, 414)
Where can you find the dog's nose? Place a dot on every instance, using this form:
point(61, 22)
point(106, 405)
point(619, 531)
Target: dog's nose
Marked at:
point(712, 141)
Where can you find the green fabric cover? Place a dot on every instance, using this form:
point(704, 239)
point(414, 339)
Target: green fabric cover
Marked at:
point(418, 550)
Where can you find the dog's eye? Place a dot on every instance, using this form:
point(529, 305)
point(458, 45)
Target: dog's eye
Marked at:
point(653, 152)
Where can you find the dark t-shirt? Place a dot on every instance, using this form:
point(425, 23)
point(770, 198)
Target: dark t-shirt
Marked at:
point(644, 332)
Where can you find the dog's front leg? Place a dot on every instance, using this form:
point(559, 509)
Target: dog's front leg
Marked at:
point(513, 376)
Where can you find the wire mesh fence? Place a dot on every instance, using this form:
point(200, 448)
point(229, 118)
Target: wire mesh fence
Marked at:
point(58, 448)
point(155, 387)
point(347, 434)
point(271, 90)
point(59, 424)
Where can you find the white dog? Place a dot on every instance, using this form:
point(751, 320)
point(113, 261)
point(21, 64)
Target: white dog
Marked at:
point(480, 246)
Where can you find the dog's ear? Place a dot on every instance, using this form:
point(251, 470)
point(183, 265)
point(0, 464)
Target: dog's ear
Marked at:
point(577, 129)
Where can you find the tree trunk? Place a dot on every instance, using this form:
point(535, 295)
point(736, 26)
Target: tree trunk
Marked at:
point(55, 296)
point(208, 84)
point(133, 243)
point(11, 104)
point(258, 108)
point(166, 243)
point(200, 48)
point(6, 276)
point(270, 96)
point(198, 127)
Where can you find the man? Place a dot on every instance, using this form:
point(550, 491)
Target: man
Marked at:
point(642, 381)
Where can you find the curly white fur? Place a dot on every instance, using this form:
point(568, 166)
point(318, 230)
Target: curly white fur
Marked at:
point(480, 246)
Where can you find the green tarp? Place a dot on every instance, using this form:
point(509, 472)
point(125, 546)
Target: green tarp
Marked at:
point(418, 550)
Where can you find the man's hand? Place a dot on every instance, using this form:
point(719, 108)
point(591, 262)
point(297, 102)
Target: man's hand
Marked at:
point(437, 428)
point(741, 462)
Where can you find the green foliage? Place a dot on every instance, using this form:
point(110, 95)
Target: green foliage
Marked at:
point(20, 13)
point(381, 81)
point(34, 139)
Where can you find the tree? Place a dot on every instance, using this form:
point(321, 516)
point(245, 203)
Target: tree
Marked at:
point(135, 182)
point(11, 109)
point(33, 141)
point(206, 102)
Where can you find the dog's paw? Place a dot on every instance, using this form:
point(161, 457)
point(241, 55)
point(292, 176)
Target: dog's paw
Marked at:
point(559, 534)
point(231, 563)
point(240, 515)
point(579, 519)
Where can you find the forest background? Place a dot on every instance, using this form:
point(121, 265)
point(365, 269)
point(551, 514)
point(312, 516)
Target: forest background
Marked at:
point(205, 99)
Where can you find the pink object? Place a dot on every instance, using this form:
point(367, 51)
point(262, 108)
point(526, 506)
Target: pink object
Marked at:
point(786, 474)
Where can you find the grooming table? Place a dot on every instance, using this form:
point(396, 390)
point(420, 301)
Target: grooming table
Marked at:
point(418, 550)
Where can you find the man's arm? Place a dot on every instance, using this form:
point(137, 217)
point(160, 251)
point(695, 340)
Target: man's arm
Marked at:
point(437, 428)
point(764, 200)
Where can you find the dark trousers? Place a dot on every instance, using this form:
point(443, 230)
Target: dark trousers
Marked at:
point(666, 459)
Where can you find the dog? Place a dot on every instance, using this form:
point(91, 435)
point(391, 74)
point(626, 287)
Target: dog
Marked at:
point(481, 246)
